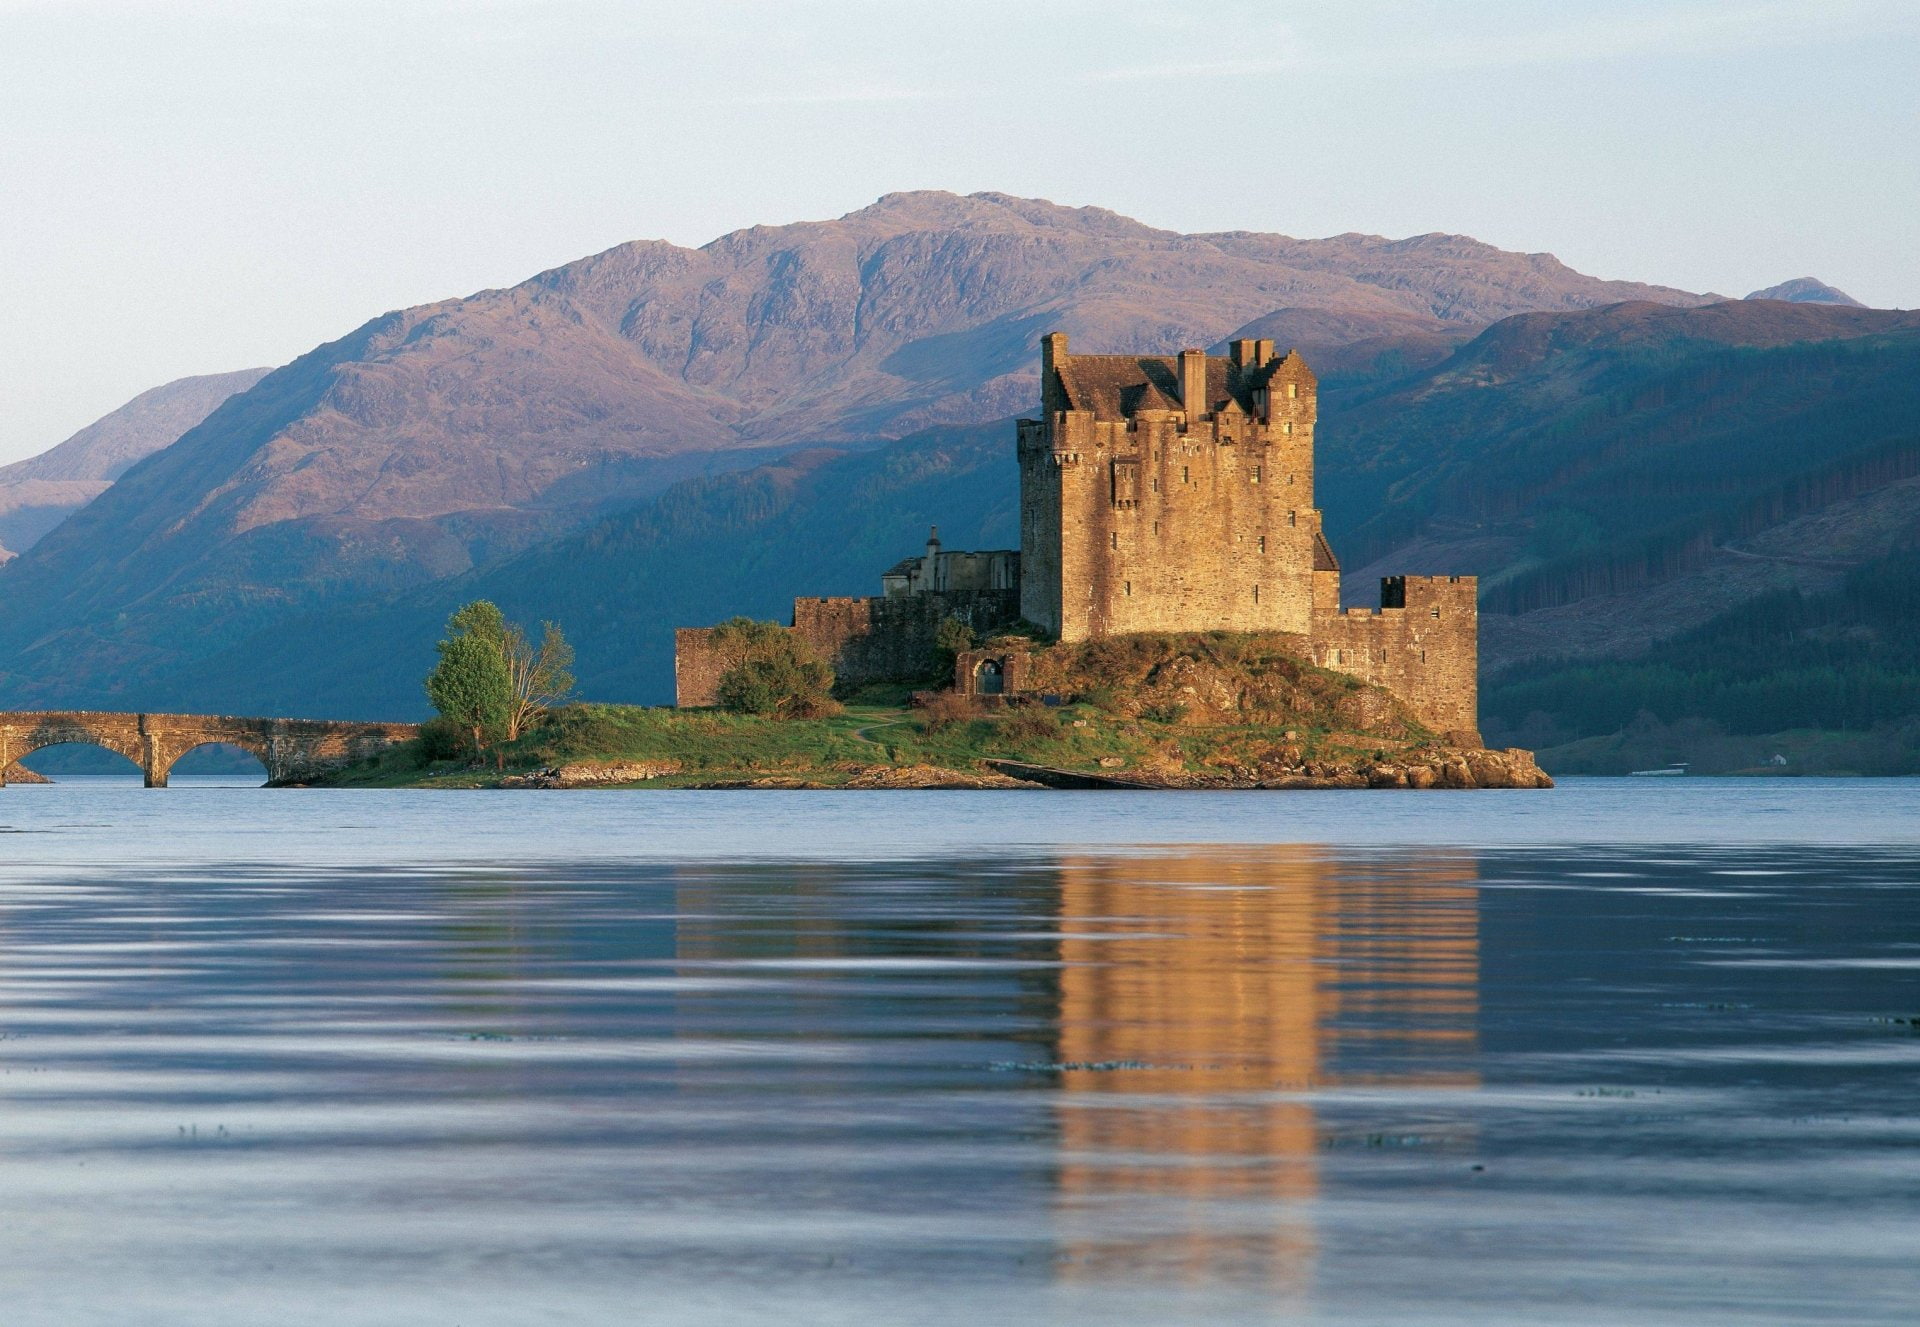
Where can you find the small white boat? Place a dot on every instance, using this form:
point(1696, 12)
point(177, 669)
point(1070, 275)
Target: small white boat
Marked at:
point(1677, 768)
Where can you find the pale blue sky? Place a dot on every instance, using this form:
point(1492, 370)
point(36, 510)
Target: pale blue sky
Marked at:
point(189, 186)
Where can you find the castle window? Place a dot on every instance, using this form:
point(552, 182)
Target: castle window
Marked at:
point(1114, 537)
point(1292, 517)
point(1289, 479)
point(1256, 594)
point(1436, 612)
point(1185, 476)
point(1287, 428)
point(1127, 587)
point(1256, 474)
point(1339, 656)
point(1263, 543)
point(1156, 527)
point(1293, 389)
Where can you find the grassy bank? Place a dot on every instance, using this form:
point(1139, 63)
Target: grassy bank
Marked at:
point(876, 731)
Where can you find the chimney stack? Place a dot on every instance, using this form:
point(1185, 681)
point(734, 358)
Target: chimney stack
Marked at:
point(1193, 383)
point(1053, 354)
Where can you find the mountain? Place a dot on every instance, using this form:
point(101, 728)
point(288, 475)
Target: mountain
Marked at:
point(435, 441)
point(1806, 290)
point(1611, 473)
point(38, 493)
point(1619, 476)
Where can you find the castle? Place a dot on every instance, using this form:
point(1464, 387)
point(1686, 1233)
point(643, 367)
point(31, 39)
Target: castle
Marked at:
point(1157, 494)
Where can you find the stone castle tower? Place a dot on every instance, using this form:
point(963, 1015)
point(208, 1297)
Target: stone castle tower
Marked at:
point(1172, 493)
point(1175, 493)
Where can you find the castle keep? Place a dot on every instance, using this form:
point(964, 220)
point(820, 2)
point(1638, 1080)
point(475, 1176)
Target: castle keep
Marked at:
point(1157, 494)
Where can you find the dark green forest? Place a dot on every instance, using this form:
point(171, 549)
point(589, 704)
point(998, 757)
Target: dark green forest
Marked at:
point(1846, 661)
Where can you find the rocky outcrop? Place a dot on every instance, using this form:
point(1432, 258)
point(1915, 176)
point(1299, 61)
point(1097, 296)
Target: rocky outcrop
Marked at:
point(584, 774)
point(1446, 767)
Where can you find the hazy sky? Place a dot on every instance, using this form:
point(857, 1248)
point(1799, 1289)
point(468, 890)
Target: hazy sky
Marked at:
point(188, 186)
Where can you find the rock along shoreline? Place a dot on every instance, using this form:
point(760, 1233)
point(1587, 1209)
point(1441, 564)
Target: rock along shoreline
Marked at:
point(1446, 769)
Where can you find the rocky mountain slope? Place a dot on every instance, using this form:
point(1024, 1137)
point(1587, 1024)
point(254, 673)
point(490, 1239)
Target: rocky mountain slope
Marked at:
point(38, 493)
point(441, 439)
point(1618, 476)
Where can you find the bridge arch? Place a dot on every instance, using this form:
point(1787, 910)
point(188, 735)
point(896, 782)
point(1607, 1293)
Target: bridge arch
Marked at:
point(290, 749)
point(175, 753)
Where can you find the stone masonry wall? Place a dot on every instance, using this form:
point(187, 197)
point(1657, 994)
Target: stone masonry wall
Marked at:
point(1422, 645)
point(697, 666)
point(865, 639)
point(1158, 522)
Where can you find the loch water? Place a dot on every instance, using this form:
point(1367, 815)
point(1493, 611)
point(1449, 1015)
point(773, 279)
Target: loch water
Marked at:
point(1634, 1051)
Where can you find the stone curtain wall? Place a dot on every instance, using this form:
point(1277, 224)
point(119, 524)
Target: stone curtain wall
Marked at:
point(1426, 653)
point(697, 666)
point(864, 639)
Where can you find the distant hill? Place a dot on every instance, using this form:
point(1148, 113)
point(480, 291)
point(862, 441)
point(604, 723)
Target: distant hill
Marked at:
point(1806, 290)
point(437, 441)
point(38, 493)
point(1621, 477)
point(1616, 475)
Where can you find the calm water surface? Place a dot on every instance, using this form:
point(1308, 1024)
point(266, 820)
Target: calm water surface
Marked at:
point(1630, 1051)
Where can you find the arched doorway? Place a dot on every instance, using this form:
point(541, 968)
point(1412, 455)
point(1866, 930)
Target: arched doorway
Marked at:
point(989, 679)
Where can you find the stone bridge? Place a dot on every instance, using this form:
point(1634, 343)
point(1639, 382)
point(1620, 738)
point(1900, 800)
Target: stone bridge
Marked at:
point(291, 749)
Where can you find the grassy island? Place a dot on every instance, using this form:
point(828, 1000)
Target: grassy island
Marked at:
point(1204, 711)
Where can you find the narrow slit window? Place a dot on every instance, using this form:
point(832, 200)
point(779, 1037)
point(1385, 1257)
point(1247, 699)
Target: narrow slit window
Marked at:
point(1256, 594)
point(1287, 428)
point(1127, 588)
point(1292, 517)
point(1436, 612)
point(1263, 543)
point(1186, 476)
point(1293, 389)
point(1114, 538)
point(1256, 474)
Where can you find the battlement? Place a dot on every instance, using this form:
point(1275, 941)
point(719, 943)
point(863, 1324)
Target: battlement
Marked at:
point(1170, 493)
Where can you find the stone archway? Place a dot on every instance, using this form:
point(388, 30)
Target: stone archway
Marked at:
point(169, 754)
point(290, 749)
point(989, 678)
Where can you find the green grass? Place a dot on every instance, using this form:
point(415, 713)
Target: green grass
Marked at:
point(710, 746)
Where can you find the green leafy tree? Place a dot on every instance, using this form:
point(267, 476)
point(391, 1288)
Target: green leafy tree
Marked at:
point(774, 673)
point(472, 684)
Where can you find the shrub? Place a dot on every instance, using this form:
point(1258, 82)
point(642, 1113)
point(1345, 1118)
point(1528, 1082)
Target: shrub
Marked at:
point(1103, 698)
point(443, 739)
point(777, 676)
point(943, 710)
point(950, 638)
point(1030, 724)
point(1164, 713)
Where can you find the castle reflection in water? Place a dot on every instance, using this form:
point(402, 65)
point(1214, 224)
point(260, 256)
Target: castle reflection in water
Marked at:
point(1180, 1010)
point(1202, 996)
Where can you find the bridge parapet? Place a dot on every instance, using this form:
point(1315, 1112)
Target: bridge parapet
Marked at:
point(290, 749)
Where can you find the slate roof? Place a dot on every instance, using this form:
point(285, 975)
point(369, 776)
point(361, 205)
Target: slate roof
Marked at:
point(1114, 387)
point(1323, 558)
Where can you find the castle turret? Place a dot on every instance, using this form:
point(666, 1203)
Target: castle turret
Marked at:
point(930, 567)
